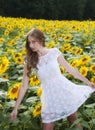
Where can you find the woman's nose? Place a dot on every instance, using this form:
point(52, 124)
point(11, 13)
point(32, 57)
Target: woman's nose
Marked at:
point(31, 45)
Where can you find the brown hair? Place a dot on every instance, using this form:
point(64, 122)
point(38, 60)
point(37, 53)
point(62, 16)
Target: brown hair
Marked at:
point(32, 57)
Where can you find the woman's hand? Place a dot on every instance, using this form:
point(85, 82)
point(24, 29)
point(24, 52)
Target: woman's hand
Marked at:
point(14, 115)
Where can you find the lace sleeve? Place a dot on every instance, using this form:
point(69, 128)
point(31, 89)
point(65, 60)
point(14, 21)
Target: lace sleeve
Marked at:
point(58, 52)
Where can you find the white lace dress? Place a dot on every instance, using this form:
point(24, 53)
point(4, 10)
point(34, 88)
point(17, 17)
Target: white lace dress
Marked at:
point(60, 97)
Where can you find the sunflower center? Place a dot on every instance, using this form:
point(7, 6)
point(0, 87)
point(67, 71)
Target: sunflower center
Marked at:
point(84, 59)
point(35, 78)
point(39, 108)
point(93, 67)
point(3, 65)
point(14, 90)
point(19, 59)
point(83, 71)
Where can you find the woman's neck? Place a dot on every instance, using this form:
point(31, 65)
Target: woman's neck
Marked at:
point(42, 51)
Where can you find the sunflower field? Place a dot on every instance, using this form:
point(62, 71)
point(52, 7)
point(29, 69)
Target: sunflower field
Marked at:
point(75, 39)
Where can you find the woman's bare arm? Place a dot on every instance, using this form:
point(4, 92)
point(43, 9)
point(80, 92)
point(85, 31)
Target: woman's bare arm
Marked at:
point(23, 87)
point(73, 71)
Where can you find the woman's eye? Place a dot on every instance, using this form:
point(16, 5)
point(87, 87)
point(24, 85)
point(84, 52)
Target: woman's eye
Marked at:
point(32, 42)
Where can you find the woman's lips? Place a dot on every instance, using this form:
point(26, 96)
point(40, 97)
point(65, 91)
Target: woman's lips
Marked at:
point(33, 49)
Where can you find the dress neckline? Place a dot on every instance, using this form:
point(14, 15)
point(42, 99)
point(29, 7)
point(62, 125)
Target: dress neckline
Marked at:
point(45, 54)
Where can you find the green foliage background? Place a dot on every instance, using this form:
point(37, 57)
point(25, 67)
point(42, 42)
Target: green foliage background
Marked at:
point(49, 9)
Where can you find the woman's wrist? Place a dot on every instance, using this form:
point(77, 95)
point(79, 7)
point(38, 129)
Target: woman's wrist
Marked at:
point(15, 108)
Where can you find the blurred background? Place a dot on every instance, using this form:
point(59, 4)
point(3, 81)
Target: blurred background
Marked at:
point(49, 9)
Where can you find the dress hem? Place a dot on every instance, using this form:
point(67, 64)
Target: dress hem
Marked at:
point(64, 116)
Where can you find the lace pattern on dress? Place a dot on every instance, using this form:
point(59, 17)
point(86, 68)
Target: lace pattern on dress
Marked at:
point(50, 117)
point(53, 53)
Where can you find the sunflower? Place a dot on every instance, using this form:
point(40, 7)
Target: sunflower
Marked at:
point(50, 44)
point(93, 79)
point(34, 81)
point(2, 40)
point(20, 25)
point(65, 47)
point(86, 30)
point(18, 60)
point(23, 51)
point(76, 50)
point(53, 35)
point(62, 48)
point(4, 76)
point(67, 38)
point(73, 49)
point(16, 55)
point(83, 70)
point(75, 63)
point(92, 68)
point(11, 42)
point(39, 91)
point(62, 69)
point(85, 59)
point(13, 91)
point(75, 28)
point(4, 64)
point(9, 27)
point(6, 33)
point(37, 110)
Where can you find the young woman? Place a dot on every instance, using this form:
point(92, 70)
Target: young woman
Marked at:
point(60, 98)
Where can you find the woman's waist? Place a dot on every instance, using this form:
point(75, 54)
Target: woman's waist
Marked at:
point(51, 78)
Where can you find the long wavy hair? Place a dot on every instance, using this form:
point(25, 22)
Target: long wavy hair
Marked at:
point(32, 57)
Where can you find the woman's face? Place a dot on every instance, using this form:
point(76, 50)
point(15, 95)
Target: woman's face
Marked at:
point(34, 43)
